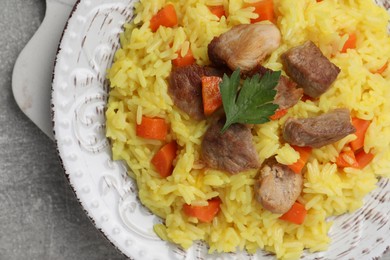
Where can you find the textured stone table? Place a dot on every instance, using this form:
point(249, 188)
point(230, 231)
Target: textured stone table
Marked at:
point(40, 217)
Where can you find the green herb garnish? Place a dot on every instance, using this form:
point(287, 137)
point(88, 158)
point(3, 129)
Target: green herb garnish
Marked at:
point(252, 103)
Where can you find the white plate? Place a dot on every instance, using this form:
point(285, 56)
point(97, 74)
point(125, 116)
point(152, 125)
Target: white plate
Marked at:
point(108, 196)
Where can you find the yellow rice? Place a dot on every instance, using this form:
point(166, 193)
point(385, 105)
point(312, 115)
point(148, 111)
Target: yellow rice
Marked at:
point(138, 80)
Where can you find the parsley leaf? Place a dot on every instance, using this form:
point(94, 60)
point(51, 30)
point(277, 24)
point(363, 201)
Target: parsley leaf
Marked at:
point(252, 103)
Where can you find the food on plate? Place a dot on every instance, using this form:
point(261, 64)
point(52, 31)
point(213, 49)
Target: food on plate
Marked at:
point(247, 124)
point(203, 213)
point(278, 187)
point(163, 159)
point(310, 69)
point(320, 130)
point(287, 93)
point(249, 101)
point(165, 17)
point(152, 128)
point(233, 151)
point(185, 88)
point(244, 46)
point(211, 96)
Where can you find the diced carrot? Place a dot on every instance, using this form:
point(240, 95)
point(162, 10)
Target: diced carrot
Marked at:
point(203, 213)
point(296, 214)
point(347, 159)
point(278, 114)
point(304, 154)
point(165, 17)
point(163, 159)
point(211, 95)
point(363, 158)
point(218, 11)
point(319, 1)
point(382, 69)
point(180, 61)
point(152, 128)
point(361, 129)
point(265, 10)
point(350, 43)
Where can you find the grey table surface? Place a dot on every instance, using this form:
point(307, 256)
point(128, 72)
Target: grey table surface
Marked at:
point(40, 217)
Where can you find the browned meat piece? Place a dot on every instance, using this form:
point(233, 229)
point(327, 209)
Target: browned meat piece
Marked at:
point(259, 69)
point(185, 88)
point(320, 130)
point(244, 46)
point(287, 94)
point(278, 186)
point(233, 151)
point(308, 67)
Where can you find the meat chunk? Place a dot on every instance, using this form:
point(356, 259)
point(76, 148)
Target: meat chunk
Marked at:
point(308, 67)
point(320, 130)
point(185, 88)
point(244, 46)
point(278, 187)
point(233, 151)
point(287, 93)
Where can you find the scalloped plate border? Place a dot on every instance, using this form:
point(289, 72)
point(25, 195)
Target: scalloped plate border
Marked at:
point(108, 195)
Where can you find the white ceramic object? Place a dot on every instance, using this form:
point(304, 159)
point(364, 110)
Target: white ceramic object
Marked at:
point(108, 195)
point(32, 74)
